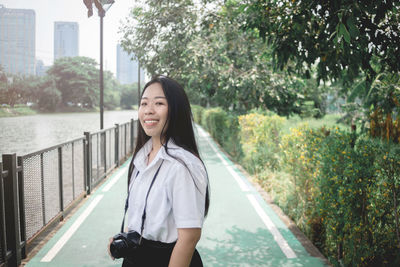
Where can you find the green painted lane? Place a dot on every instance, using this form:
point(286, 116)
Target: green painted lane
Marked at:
point(240, 230)
point(234, 233)
point(88, 244)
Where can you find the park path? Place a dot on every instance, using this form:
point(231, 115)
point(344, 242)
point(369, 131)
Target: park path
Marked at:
point(240, 230)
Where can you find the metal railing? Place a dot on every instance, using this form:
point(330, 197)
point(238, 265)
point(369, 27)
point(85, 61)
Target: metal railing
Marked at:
point(38, 189)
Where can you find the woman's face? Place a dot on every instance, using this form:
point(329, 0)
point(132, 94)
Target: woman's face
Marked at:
point(153, 110)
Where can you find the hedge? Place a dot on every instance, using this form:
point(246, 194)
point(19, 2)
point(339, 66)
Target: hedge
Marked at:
point(341, 188)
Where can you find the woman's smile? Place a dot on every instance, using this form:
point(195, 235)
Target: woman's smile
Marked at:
point(150, 122)
point(153, 111)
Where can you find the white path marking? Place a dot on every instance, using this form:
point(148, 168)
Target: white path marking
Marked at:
point(282, 243)
point(114, 180)
point(68, 234)
point(243, 186)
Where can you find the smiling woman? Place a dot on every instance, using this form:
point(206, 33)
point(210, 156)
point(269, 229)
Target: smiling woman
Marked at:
point(153, 112)
point(168, 183)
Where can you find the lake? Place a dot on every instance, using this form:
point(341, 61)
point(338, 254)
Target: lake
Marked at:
point(25, 134)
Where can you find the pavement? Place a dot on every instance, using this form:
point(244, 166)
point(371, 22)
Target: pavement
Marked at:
point(241, 228)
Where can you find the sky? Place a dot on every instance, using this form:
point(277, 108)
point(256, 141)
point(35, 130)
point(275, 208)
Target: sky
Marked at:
point(49, 11)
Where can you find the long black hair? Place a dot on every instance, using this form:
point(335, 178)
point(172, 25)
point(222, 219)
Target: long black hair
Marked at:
point(179, 121)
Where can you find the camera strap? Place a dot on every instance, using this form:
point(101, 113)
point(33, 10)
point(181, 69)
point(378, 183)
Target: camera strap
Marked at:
point(145, 203)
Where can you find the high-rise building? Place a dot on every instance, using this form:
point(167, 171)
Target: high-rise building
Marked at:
point(66, 39)
point(17, 40)
point(127, 69)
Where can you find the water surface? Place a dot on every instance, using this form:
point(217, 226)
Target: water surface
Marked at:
point(27, 134)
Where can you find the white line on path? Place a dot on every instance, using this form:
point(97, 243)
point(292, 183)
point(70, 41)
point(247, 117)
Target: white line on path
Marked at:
point(114, 180)
point(67, 235)
point(243, 186)
point(286, 249)
point(282, 243)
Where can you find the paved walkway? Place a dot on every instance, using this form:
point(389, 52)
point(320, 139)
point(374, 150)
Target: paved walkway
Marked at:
point(240, 230)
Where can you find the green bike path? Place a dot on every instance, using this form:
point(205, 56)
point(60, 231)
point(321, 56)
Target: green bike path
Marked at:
point(241, 228)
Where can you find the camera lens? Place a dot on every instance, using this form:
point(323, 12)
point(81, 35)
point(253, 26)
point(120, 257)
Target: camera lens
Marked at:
point(117, 248)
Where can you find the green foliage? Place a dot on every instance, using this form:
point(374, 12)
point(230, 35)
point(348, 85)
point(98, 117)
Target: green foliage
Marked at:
point(71, 83)
point(328, 121)
point(215, 122)
point(48, 96)
point(12, 91)
point(335, 35)
point(77, 79)
point(299, 157)
point(341, 188)
point(129, 96)
point(111, 93)
point(220, 64)
point(222, 126)
point(260, 138)
point(197, 112)
point(353, 43)
point(357, 203)
point(157, 33)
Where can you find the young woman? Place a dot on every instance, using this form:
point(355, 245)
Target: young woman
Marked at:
point(167, 161)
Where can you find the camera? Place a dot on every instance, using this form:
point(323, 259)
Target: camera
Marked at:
point(124, 244)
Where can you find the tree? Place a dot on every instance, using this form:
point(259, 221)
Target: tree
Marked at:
point(48, 96)
point(340, 37)
point(77, 79)
point(3, 86)
point(112, 93)
point(218, 61)
point(13, 90)
point(157, 34)
point(128, 96)
point(232, 68)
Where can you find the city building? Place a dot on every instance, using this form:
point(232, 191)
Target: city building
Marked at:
point(127, 69)
point(66, 39)
point(17, 40)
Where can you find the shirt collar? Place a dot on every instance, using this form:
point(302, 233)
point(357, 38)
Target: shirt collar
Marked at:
point(140, 160)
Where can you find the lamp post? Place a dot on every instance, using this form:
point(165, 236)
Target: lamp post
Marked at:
point(138, 87)
point(99, 4)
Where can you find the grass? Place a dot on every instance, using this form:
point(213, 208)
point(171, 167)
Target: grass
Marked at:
point(328, 121)
point(17, 110)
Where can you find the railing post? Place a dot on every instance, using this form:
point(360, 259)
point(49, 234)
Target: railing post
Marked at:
point(2, 219)
point(42, 187)
point(104, 146)
point(88, 162)
point(60, 181)
point(132, 134)
point(21, 195)
point(125, 140)
point(116, 144)
point(11, 198)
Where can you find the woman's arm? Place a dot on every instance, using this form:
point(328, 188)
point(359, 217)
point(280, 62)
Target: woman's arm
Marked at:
point(184, 247)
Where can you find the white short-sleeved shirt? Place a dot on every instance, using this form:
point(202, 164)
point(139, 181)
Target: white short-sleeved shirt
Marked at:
point(177, 198)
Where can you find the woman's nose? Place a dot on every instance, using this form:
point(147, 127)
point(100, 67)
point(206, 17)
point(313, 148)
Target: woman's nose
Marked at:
point(149, 109)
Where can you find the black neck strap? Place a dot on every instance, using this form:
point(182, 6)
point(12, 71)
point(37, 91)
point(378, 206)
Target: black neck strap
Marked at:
point(145, 203)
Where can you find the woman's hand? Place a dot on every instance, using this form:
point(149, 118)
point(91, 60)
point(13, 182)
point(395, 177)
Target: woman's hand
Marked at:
point(109, 243)
point(184, 247)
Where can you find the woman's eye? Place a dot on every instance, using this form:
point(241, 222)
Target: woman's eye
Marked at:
point(159, 103)
point(143, 104)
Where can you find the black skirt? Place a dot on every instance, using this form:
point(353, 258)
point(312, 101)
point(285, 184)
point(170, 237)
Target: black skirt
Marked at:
point(153, 256)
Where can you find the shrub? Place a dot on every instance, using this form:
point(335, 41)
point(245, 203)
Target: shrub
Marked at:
point(341, 189)
point(197, 112)
point(224, 127)
point(355, 202)
point(260, 137)
point(300, 158)
point(214, 120)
